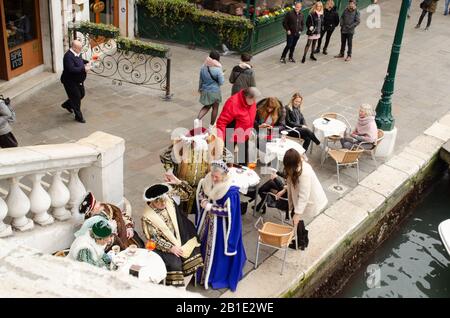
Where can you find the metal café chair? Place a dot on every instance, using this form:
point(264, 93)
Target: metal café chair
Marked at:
point(345, 157)
point(373, 150)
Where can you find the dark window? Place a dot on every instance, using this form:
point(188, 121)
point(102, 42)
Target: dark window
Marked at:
point(20, 21)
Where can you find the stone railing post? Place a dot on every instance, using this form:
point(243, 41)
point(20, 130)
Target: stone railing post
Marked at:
point(5, 229)
point(105, 177)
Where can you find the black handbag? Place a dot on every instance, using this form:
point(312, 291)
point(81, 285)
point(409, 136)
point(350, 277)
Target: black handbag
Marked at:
point(302, 236)
point(425, 4)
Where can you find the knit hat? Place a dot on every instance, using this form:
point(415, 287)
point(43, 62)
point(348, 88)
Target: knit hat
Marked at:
point(88, 203)
point(156, 191)
point(101, 229)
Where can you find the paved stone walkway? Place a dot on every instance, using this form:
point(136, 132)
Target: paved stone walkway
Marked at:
point(145, 121)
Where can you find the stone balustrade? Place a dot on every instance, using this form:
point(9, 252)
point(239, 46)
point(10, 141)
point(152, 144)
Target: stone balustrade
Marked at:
point(41, 185)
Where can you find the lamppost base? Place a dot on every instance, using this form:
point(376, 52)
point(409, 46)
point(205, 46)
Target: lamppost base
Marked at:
point(386, 146)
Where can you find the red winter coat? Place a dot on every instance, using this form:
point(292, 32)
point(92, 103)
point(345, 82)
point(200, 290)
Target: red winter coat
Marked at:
point(236, 109)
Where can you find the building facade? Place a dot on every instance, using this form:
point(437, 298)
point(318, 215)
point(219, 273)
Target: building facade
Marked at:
point(33, 33)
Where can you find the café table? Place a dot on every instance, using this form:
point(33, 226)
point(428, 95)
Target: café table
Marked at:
point(244, 178)
point(325, 128)
point(278, 148)
point(151, 265)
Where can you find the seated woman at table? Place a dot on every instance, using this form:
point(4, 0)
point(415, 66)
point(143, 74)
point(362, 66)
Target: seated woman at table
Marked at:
point(366, 131)
point(296, 121)
point(306, 196)
point(219, 227)
point(90, 247)
point(269, 120)
point(173, 233)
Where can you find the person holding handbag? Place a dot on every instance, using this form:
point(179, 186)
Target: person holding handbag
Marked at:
point(314, 24)
point(7, 117)
point(430, 7)
point(306, 196)
point(211, 78)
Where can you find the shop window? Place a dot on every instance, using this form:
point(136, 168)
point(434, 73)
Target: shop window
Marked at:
point(20, 18)
point(102, 11)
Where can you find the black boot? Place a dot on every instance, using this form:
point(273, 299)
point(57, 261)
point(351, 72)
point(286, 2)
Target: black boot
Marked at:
point(312, 57)
point(303, 59)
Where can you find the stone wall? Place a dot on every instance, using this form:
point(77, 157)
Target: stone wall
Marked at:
point(26, 272)
point(363, 217)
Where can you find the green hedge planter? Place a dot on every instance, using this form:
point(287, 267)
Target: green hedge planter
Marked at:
point(180, 22)
point(140, 47)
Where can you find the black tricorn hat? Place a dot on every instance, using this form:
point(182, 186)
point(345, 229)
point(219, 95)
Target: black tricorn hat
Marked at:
point(88, 203)
point(156, 191)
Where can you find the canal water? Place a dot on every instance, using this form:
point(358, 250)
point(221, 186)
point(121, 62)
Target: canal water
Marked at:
point(412, 262)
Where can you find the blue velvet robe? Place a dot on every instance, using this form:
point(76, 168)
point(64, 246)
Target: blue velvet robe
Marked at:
point(221, 243)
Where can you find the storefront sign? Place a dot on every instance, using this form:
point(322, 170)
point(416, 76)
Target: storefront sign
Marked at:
point(16, 59)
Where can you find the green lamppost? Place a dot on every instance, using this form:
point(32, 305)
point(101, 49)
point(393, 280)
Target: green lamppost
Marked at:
point(384, 118)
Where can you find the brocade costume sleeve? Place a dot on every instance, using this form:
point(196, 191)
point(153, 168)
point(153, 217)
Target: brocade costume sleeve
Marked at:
point(85, 256)
point(183, 190)
point(151, 233)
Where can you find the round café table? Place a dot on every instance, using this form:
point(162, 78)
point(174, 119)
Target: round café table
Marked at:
point(151, 266)
point(325, 129)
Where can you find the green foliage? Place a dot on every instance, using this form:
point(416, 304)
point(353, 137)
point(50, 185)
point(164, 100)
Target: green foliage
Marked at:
point(137, 46)
point(97, 29)
point(231, 29)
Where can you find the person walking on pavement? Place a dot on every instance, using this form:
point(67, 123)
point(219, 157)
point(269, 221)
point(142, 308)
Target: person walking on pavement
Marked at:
point(350, 19)
point(211, 78)
point(293, 23)
point(73, 77)
point(314, 24)
point(430, 7)
point(242, 75)
point(330, 22)
point(446, 7)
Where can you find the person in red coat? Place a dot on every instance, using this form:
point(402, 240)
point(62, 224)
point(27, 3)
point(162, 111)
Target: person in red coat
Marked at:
point(238, 114)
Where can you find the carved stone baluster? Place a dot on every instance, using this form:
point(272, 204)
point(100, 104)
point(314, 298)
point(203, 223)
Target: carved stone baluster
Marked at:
point(60, 195)
point(77, 192)
point(5, 229)
point(40, 201)
point(18, 206)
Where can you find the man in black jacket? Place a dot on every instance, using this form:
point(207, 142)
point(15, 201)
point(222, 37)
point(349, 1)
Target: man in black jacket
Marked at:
point(293, 24)
point(350, 19)
point(73, 77)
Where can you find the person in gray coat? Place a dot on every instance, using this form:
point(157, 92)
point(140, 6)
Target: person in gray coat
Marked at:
point(350, 19)
point(7, 117)
point(242, 76)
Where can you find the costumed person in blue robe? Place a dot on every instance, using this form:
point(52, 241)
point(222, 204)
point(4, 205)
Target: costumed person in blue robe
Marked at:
point(219, 227)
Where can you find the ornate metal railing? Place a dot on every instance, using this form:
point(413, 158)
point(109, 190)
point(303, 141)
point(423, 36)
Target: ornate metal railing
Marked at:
point(125, 66)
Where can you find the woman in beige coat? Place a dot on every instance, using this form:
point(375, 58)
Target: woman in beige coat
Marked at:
point(305, 193)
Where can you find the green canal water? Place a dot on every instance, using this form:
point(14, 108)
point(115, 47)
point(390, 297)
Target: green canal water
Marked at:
point(412, 262)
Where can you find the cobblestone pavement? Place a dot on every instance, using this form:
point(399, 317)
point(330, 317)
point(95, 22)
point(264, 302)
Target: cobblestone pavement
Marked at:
point(140, 116)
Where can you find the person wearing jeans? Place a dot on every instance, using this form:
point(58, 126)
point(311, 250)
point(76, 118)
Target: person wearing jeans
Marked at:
point(350, 19)
point(293, 24)
point(446, 7)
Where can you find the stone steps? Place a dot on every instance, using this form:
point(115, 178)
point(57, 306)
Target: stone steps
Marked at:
point(21, 87)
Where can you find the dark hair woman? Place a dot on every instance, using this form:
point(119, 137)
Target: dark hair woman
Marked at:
point(306, 197)
point(296, 121)
point(314, 24)
point(211, 78)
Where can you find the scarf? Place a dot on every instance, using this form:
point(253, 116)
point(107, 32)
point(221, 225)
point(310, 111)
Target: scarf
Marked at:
point(209, 62)
point(367, 126)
